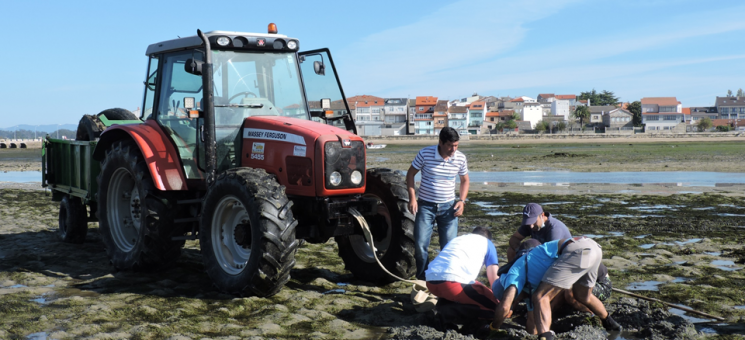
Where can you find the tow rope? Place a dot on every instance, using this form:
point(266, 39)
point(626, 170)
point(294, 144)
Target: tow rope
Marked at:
point(422, 299)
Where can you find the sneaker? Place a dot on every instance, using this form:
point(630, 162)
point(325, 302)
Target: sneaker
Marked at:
point(610, 324)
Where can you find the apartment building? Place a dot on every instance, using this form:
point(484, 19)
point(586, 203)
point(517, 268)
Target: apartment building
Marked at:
point(423, 116)
point(661, 113)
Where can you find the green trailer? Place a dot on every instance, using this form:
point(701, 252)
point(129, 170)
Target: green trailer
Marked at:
point(69, 171)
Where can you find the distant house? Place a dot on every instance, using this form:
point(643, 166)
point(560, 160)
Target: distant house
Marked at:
point(617, 119)
point(561, 107)
point(410, 117)
point(368, 113)
point(394, 116)
point(440, 116)
point(662, 113)
point(731, 107)
point(457, 118)
point(546, 97)
point(569, 97)
point(423, 118)
point(702, 111)
point(532, 113)
point(476, 117)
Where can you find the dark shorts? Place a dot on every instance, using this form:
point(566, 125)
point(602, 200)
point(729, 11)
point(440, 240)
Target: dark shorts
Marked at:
point(603, 288)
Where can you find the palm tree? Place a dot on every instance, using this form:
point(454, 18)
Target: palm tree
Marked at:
point(581, 113)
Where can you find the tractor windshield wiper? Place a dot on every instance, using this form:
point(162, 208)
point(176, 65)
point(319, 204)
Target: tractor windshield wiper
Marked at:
point(250, 106)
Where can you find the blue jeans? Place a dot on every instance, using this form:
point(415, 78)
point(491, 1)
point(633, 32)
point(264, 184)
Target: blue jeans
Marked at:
point(447, 229)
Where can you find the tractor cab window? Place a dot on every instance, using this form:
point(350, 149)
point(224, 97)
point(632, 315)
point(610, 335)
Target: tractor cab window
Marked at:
point(176, 84)
point(319, 75)
point(150, 83)
point(250, 84)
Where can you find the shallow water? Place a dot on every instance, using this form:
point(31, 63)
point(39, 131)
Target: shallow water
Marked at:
point(20, 176)
point(645, 286)
point(725, 265)
point(691, 319)
point(676, 178)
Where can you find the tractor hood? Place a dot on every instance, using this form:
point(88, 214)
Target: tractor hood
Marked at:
point(291, 130)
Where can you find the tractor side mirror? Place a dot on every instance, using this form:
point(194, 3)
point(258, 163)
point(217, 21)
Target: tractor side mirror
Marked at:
point(319, 68)
point(193, 66)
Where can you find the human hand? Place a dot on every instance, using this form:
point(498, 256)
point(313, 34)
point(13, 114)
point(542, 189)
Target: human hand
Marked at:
point(458, 207)
point(413, 207)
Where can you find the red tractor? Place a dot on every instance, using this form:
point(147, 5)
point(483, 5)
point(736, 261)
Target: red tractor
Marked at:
point(229, 150)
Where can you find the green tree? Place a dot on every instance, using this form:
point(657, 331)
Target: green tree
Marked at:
point(581, 113)
point(740, 93)
point(636, 109)
point(599, 99)
point(729, 93)
point(704, 124)
point(723, 128)
point(516, 116)
point(561, 126)
point(510, 125)
point(541, 126)
point(499, 127)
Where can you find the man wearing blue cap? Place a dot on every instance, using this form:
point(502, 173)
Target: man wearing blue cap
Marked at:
point(539, 225)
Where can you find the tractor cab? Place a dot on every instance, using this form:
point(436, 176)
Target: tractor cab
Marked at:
point(252, 75)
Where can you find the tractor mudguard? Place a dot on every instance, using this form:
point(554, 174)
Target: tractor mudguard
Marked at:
point(160, 155)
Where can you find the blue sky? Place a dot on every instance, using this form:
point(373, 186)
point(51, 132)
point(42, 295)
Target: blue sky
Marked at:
point(65, 59)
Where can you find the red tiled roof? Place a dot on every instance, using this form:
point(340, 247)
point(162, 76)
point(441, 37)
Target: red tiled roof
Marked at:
point(492, 114)
point(687, 110)
point(545, 95)
point(520, 99)
point(583, 100)
point(566, 96)
point(478, 104)
point(426, 101)
point(661, 101)
point(365, 98)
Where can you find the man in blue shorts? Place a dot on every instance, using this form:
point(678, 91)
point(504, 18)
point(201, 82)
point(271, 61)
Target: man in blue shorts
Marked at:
point(440, 165)
point(538, 225)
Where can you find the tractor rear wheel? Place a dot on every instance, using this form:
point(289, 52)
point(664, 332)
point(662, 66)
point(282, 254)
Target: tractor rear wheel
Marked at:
point(392, 228)
point(73, 220)
point(90, 127)
point(135, 225)
point(247, 233)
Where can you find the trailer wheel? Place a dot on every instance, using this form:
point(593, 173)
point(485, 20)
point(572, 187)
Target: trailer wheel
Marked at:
point(392, 228)
point(73, 220)
point(136, 226)
point(247, 233)
point(90, 127)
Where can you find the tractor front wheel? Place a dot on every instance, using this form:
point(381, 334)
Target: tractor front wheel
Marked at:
point(392, 228)
point(247, 233)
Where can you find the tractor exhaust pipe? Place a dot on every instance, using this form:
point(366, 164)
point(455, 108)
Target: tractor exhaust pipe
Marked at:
point(208, 132)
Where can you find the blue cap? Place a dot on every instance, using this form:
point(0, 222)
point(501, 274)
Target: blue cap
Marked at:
point(531, 213)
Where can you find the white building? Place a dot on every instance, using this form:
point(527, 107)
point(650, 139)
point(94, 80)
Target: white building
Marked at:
point(532, 112)
point(662, 113)
point(560, 107)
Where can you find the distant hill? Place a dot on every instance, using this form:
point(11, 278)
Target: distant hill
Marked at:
point(49, 128)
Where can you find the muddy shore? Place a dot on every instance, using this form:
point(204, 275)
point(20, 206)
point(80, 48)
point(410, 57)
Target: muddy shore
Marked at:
point(681, 245)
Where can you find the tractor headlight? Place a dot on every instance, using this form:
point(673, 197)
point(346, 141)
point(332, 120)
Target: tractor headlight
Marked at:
point(335, 178)
point(356, 177)
point(223, 41)
point(292, 44)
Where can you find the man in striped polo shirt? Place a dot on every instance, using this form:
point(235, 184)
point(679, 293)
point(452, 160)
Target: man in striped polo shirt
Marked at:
point(439, 164)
